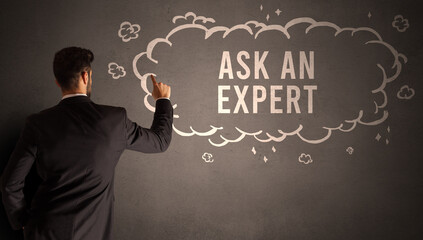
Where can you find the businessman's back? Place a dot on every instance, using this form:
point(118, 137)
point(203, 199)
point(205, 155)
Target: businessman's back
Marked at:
point(75, 147)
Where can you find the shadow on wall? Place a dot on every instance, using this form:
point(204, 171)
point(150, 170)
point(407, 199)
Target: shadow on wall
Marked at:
point(7, 142)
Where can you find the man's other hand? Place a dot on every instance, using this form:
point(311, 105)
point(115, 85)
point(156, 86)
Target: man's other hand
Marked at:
point(160, 90)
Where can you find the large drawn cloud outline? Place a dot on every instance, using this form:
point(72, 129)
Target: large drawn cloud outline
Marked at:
point(255, 28)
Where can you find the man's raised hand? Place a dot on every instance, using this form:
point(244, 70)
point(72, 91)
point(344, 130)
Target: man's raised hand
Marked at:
point(160, 90)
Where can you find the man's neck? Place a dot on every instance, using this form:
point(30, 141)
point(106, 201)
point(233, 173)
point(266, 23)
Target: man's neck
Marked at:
point(73, 95)
point(76, 92)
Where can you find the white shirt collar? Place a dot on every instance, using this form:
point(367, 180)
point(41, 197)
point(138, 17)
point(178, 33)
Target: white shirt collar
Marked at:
point(74, 95)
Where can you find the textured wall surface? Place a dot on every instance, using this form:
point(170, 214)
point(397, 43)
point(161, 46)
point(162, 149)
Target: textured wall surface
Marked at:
point(293, 119)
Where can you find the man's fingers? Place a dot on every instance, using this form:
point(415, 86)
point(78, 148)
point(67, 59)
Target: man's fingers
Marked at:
point(160, 89)
point(153, 79)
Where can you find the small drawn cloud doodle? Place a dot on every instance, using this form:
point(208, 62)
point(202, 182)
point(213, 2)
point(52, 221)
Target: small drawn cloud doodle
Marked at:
point(400, 23)
point(405, 92)
point(350, 150)
point(305, 158)
point(208, 157)
point(116, 71)
point(128, 31)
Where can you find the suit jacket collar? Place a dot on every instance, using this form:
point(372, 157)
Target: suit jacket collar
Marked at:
point(75, 99)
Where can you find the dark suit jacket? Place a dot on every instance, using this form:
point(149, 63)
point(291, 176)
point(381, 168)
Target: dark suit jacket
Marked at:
point(75, 147)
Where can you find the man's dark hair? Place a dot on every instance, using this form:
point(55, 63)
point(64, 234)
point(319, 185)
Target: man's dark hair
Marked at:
point(68, 65)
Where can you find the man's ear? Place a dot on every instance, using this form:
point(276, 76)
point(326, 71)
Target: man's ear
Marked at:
point(84, 76)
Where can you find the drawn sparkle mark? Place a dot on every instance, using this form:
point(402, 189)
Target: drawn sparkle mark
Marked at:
point(278, 12)
point(388, 129)
point(378, 137)
point(369, 15)
point(261, 7)
point(387, 141)
point(273, 149)
point(253, 150)
point(267, 17)
point(265, 159)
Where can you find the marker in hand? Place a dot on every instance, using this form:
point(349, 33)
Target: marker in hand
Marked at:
point(160, 90)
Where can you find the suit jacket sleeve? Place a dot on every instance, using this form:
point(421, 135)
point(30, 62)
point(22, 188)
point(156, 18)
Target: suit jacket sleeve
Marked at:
point(13, 177)
point(155, 139)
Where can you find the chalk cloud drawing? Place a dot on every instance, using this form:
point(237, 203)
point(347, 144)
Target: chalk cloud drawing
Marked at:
point(128, 31)
point(405, 92)
point(305, 158)
point(400, 23)
point(207, 157)
point(255, 28)
point(350, 150)
point(116, 71)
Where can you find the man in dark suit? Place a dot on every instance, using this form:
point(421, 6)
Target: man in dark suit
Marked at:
point(75, 147)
